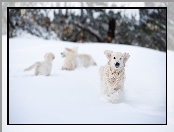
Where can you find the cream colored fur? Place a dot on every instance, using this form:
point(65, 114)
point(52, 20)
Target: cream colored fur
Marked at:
point(74, 60)
point(112, 77)
point(44, 67)
point(65, 53)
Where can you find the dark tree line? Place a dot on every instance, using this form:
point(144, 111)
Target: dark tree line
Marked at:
point(109, 27)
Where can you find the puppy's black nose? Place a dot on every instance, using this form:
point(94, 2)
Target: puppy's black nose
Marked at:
point(61, 53)
point(117, 64)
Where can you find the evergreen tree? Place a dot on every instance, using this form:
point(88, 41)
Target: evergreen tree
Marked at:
point(92, 25)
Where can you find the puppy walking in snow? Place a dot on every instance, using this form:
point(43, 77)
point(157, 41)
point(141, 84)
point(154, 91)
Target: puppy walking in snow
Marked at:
point(74, 60)
point(44, 67)
point(113, 74)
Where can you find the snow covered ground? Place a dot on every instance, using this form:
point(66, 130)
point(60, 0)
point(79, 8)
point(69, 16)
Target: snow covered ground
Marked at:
point(73, 97)
point(52, 100)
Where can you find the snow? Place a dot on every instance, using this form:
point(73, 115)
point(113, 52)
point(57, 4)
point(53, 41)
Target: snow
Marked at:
point(96, 14)
point(64, 11)
point(51, 14)
point(77, 11)
point(74, 97)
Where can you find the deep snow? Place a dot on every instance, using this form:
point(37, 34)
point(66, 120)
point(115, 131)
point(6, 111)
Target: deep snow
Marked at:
point(73, 97)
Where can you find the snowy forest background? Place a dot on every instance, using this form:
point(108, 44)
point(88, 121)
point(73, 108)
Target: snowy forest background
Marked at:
point(92, 25)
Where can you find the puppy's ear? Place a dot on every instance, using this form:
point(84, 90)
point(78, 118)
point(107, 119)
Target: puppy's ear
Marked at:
point(108, 54)
point(67, 49)
point(53, 57)
point(126, 57)
point(45, 55)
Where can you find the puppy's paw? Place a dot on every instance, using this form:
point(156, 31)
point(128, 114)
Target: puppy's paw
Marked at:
point(65, 68)
point(113, 97)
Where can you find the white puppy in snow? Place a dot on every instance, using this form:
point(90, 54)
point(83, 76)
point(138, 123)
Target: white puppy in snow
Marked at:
point(44, 67)
point(113, 74)
point(74, 60)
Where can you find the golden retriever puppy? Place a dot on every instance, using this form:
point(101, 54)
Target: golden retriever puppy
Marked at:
point(65, 53)
point(112, 75)
point(74, 60)
point(70, 59)
point(44, 67)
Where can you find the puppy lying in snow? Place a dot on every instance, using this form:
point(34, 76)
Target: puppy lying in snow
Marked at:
point(113, 74)
point(44, 67)
point(74, 60)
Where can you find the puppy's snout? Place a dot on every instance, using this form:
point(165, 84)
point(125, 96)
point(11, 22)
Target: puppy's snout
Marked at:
point(117, 64)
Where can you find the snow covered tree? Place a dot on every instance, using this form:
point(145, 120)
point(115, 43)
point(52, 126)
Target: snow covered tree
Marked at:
point(153, 28)
point(92, 25)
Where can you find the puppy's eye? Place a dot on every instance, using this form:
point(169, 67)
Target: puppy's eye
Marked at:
point(114, 58)
point(120, 58)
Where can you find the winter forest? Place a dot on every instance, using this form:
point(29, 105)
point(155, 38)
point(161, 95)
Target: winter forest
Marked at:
point(145, 28)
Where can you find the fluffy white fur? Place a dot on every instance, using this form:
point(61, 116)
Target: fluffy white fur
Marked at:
point(112, 75)
point(65, 53)
point(74, 60)
point(44, 67)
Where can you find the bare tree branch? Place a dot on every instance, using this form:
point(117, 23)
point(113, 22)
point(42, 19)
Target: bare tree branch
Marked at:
point(91, 31)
